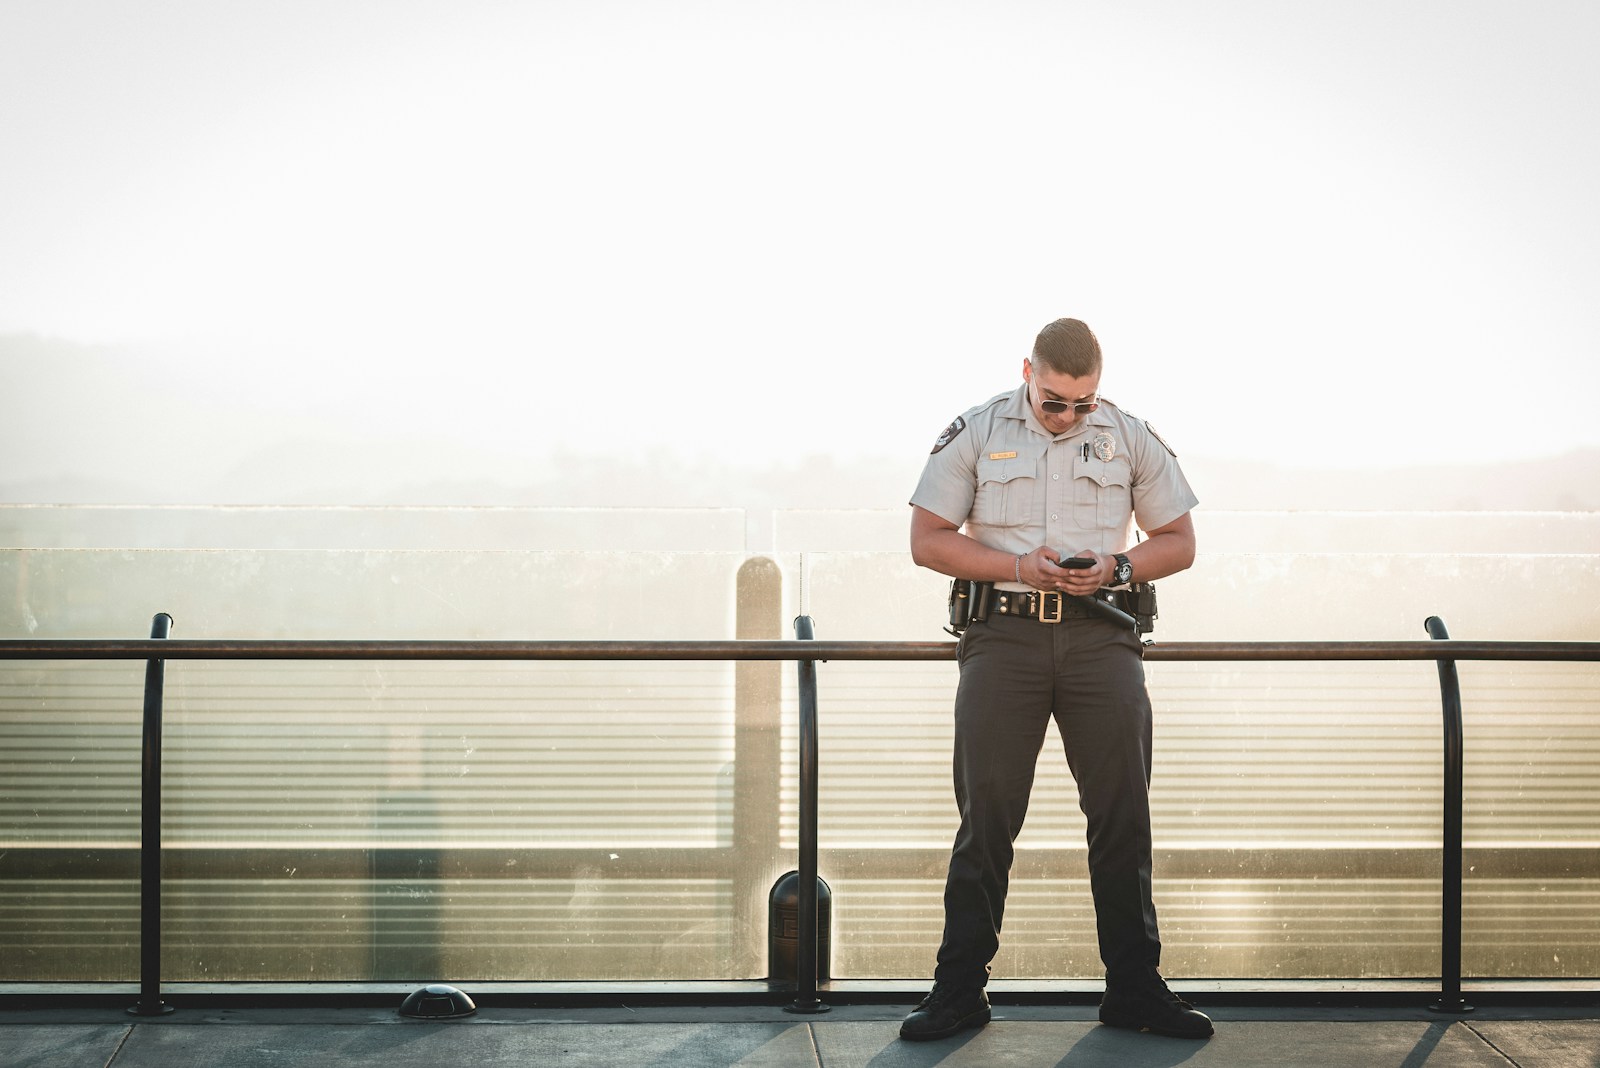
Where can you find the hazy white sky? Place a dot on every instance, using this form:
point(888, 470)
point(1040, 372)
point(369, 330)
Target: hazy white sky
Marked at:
point(1352, 233)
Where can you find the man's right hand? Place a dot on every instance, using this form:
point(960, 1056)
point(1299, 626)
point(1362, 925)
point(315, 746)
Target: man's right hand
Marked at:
point(1039, 570)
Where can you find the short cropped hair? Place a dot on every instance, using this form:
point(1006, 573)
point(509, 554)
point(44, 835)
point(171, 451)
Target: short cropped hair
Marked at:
point(1068, 347)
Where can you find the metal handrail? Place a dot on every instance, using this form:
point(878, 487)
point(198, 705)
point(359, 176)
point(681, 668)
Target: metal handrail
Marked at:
point(806, 652)
point(806, 946)
point(1454, 830)
point(150, 1003)
point(744, 649)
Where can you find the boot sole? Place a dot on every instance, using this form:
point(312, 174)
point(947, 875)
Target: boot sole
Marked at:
point(1131, 1023)
point(977, 1019)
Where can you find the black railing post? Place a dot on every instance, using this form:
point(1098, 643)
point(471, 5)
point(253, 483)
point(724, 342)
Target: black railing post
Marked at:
point(1454, 774)
point(150, 1003)
point(805, 980)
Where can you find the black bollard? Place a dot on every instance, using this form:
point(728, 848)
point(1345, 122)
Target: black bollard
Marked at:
point(783, 932)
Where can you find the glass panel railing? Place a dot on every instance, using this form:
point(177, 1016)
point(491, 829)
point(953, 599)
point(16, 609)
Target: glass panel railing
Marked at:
point(624, 821)
point(573, 820)
point(1296, 805)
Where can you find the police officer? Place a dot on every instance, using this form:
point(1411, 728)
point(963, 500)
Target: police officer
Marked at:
point(1014, 486)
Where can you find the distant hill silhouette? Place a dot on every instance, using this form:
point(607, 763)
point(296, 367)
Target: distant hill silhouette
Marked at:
point(309, 472)
point(95, 425)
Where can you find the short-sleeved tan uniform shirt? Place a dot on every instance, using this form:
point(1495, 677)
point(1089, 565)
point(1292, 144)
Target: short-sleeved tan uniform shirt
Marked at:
point(1014, 487)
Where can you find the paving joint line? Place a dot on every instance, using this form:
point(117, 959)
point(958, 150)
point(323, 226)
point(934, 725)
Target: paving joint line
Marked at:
point(122, 1042)
point(1481, 1038)
point(816, 1050)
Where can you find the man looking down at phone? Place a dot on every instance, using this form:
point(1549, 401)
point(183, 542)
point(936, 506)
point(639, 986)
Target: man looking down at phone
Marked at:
point(1035, 492)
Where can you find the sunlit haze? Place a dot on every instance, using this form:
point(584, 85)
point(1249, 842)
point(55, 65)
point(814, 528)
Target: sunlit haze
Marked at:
point(484, 236)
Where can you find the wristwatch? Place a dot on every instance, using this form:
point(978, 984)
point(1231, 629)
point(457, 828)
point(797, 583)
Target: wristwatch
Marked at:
point(1123, 574)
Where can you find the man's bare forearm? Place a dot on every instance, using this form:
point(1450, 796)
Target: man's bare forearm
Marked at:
point(952, 553)
point(1164, 552)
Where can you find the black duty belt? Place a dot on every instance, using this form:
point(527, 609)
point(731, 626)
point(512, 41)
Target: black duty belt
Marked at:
point(1051, 607)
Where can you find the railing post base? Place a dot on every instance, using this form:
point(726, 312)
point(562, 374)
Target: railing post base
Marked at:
point(816, 1008)
point(160, 1008)
point(1452, 1008)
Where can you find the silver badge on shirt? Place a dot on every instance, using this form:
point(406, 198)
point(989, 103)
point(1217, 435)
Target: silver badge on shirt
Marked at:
point(1105, 446)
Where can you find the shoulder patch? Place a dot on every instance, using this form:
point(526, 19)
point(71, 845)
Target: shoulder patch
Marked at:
point(1161, 439)
point(950, 434)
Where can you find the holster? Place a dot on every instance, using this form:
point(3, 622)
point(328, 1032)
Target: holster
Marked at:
point(969, 604)
point(1142, 604)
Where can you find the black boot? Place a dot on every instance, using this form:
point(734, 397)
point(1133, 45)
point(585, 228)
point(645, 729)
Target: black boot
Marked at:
point(1150, 1006)
point(946, 1010)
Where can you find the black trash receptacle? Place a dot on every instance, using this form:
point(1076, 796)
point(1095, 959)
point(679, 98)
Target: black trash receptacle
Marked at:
point(783, 931)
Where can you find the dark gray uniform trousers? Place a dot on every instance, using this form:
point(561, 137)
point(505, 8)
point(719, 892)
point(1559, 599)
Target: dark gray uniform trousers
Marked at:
point(1016, 674)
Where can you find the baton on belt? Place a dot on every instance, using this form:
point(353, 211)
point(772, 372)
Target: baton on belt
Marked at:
point(1106, 611)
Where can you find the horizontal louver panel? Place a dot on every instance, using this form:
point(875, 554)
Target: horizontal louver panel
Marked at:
point(618, 821)
point(231, 930)
point(1270, 754)
point(607, 755)
point(1322, 928)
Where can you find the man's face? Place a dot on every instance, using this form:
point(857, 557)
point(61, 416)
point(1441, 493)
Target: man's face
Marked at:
point(1058, 389)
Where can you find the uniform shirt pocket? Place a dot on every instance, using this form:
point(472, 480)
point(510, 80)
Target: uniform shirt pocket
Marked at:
point(1102, 494)
point(1005, 491)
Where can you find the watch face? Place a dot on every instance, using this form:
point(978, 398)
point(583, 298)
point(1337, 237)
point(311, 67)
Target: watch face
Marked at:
point(1124, 572)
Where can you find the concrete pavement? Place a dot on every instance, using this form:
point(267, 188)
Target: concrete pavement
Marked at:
point(850, 1036)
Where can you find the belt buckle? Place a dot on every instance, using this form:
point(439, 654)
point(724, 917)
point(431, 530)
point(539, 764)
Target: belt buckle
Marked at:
point(1051, 616)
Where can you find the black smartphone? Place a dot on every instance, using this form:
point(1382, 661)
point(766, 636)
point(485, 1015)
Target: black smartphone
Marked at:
point(1076, 562)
